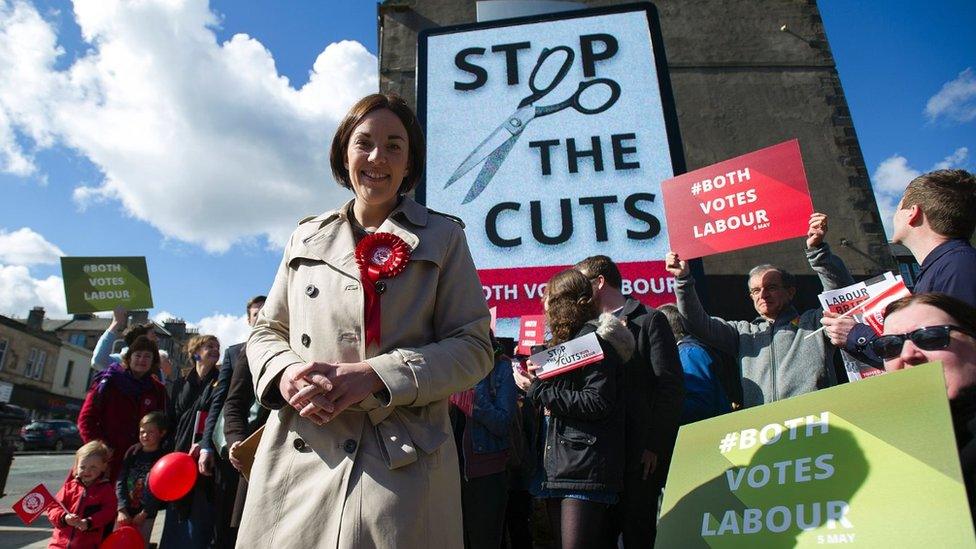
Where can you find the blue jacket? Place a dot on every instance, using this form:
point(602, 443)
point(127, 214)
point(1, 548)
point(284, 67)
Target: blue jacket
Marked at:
point(704, 395)
point(950, 269)
point(494, 408)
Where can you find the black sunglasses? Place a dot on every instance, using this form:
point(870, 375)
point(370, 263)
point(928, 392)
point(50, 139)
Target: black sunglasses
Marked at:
point(931, 338)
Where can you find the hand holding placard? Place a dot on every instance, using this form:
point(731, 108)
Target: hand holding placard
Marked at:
point(817, 230)
point(675, 265)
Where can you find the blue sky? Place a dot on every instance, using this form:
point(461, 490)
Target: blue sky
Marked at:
point(167, 130)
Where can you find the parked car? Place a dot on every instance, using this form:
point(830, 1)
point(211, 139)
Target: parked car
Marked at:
point(54, 434)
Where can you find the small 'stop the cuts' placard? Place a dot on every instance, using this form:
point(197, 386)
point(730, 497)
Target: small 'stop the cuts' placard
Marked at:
point(93, 284)
point(571, 355)
point(746, 201)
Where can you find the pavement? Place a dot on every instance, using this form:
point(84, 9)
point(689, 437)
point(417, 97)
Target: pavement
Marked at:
point(28, 470)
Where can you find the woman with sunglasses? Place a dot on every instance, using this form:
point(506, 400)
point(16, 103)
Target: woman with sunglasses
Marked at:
point(937, 327)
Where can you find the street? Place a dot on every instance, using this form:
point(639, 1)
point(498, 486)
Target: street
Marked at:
point(27, 471)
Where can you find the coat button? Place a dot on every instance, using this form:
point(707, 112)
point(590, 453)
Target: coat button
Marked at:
point(299, 444)
point(311, 291)
point(306, 341)
point(380, 286)
point(349, 446)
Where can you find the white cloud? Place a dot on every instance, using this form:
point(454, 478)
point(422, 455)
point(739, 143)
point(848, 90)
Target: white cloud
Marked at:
point(894, 173)
point(956, 101)
point(203, 140)
point(20, 292)
point(25, 247)
point(954, 160)
point(229, 329)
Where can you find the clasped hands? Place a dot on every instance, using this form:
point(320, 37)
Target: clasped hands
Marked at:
point(320, 391)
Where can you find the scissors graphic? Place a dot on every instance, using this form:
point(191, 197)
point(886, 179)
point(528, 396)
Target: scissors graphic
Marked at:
point(499, 143)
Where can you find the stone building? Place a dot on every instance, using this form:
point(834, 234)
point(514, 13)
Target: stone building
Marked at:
point(28, 359)
point(745, 75)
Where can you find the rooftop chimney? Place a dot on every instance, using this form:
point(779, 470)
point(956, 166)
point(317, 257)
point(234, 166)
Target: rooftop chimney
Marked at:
point(176, 327)
point(138, 317)
point(35, 319)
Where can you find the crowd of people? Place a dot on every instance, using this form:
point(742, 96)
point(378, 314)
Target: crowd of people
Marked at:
point(390, 415)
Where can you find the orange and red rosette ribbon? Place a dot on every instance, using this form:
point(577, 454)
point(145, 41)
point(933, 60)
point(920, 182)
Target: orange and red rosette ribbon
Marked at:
point(379, 256)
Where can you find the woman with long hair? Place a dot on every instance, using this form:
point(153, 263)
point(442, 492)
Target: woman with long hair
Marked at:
point(189, 521)
point(375, 318)
point(582, 416)
point(120, 395)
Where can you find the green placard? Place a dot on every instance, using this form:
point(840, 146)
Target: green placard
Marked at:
point(93, 284)
point(866, 464)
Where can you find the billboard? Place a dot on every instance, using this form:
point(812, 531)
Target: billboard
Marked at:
point(550, 137)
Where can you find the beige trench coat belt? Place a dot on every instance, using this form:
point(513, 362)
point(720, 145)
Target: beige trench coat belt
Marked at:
point(401, 431)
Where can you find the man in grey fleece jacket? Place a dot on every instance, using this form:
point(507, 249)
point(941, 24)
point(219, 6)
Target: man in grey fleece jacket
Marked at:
point(776, 359)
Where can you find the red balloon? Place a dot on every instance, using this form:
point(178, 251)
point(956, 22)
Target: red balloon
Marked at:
point(125, 537)
point(173, 476)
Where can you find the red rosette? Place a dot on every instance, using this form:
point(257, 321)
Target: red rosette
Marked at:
point(382, 255)
point(379, 255)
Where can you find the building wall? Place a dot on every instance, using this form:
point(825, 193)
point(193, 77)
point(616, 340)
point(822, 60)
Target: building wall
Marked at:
point(740, 84)
point(72, 372)
point(81, 338)
point(15, 359)
point(31, 388)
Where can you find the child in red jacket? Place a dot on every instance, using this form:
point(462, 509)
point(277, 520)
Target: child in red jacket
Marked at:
point(90, 499)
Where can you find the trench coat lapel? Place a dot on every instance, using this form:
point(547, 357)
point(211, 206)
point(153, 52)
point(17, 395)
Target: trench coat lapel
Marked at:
point(332, 243)
point(398, 222)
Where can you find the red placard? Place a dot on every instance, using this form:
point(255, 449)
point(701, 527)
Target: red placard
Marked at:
point(874, 308)
point(518, 292)
point(753, 199)
point(34, 503)
point(532, 331)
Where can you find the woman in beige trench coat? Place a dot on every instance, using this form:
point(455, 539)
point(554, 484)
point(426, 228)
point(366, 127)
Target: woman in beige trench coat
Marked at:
point(358, 452)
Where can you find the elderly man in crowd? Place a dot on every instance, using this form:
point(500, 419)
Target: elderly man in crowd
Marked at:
point(776, 358)
point(935, 220)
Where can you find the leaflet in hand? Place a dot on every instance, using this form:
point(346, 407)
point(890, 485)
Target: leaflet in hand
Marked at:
point(568, 356)
point(844, 300)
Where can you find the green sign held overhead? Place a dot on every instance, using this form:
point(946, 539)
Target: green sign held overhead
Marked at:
point(866, 464)
point(93, 284)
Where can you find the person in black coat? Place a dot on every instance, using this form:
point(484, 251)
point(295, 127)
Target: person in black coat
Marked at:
point(582, 469)
point(655, 392)
point(226, 477)
point(242, 417)
point(189, 521)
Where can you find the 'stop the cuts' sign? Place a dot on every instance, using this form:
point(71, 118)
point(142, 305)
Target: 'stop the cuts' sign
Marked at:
point(550, 137)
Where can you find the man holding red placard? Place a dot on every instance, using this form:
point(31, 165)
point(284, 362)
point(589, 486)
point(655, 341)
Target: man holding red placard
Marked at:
point(776, 359)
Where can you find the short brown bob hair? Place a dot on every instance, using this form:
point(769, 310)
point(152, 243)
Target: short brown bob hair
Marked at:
point(142, 343)
point(415, 138)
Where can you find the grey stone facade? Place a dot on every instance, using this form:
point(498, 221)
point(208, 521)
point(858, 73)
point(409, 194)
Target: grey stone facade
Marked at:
point(740, 83)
